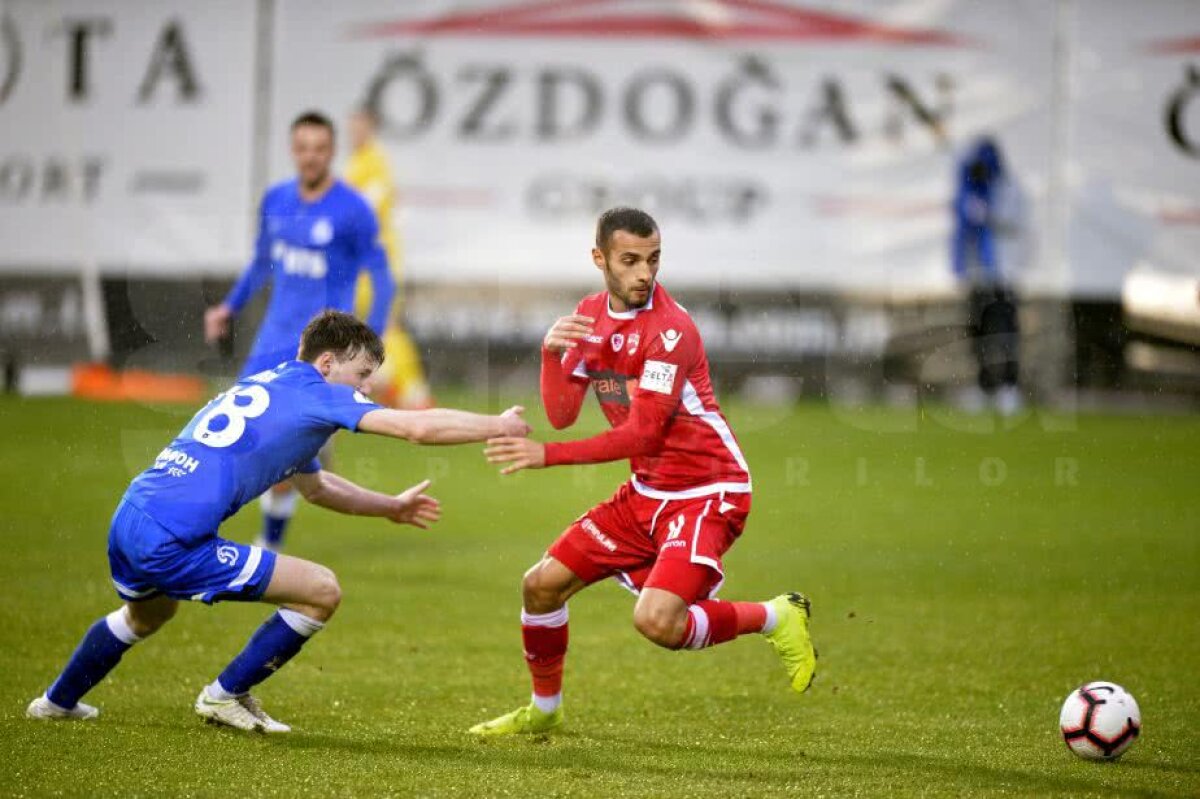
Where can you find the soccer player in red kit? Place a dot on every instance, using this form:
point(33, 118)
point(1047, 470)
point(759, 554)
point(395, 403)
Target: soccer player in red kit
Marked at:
point(663, 533)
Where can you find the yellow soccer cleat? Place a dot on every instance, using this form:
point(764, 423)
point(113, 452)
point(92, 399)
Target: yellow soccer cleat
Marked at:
point(526, 720)
point(791, 639)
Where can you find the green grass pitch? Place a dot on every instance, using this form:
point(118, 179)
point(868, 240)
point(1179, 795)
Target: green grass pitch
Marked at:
point(964, 581)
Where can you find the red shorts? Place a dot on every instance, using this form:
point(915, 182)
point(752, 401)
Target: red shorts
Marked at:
point(650, 543)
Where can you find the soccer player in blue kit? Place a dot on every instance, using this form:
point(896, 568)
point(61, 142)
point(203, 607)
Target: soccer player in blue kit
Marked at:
point(315, 234)
point(163, 545)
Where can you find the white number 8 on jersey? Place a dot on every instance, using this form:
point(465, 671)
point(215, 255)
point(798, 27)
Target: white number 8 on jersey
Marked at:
point(237, 415)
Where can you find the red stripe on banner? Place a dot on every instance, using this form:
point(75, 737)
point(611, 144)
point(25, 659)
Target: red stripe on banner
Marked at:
point(1180, 216)
point(546, 19)
point(1181, 46)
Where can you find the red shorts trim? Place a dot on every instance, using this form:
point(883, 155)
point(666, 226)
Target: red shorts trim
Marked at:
point(628, 535)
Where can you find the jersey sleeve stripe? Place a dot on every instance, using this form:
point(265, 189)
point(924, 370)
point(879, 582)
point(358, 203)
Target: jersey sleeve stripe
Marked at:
point(709, 562)
point(691, 401)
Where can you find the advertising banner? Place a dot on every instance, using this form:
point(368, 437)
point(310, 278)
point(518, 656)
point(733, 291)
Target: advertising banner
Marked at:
point(1134, 192)
point(126, 134)
point(794, 144)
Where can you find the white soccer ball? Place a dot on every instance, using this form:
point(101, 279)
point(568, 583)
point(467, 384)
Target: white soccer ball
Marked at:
point(1100, 720)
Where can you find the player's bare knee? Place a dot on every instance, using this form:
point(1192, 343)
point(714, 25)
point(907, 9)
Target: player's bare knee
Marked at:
point(147, 619)
point(660, 625)
point(326, 593)
point(541, 594)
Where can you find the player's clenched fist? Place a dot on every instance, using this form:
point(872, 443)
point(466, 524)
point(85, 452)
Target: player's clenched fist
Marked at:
point(216, 322)
point(567, 331)
point(514, 425)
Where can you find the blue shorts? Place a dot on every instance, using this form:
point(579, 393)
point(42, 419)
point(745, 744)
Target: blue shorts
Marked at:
point(147, 560)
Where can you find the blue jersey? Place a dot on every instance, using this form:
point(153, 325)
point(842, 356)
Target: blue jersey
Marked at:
point(314, 251)
point(264, 429)
point(980, 175)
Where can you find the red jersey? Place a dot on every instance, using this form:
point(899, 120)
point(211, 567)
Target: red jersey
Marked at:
point(649, 371)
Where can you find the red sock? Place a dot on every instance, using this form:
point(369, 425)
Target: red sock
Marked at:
point(545, 639)
point(751, 617)
point(711, 622)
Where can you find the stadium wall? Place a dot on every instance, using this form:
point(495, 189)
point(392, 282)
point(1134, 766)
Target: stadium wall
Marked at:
point(798, 154)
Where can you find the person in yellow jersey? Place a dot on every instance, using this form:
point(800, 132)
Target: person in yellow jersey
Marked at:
point(402, 378)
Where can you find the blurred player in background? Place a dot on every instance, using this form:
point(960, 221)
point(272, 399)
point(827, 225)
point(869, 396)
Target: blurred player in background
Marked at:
point(315, 235)
point(163, 545)
point(402, 378)
point(988, 214)
point(664, 532)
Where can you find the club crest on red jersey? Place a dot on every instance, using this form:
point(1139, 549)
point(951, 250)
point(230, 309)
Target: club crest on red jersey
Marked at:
point(634, 340)
point(618, 341)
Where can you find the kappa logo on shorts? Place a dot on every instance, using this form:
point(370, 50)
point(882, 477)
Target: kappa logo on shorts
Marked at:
point(227, 555)
point(675, 527)
point(594, 531)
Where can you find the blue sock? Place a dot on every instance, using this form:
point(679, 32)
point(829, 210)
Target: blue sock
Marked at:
point(277, 507)
point(273, 644)
point(98, 653)
point(273, 529)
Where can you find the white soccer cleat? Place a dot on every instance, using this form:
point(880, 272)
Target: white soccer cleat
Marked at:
point(255, 707)
point(230, 712)
point(43, 708)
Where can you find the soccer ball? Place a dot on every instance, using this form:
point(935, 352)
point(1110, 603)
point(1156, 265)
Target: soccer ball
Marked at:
point(1100, 720)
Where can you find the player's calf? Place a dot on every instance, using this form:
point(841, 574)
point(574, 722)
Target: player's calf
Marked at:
point(548, 585)
point(309, 594)
point(147, 617)
point(98, 653)
point(306, 587)
point(661, 617)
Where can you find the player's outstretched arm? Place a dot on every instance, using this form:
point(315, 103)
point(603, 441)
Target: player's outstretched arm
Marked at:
point(643, 433)
point(444, 425)
point(337, 493)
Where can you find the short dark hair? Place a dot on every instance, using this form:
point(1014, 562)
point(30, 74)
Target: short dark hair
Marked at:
point(343, 334)
point(313, 118)
point(631, 220)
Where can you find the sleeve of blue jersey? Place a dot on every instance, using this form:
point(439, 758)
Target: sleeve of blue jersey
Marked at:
point(344, 407)
point(373, 258)
point(256, 273)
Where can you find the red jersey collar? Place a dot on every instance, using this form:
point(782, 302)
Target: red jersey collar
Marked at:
point(629, 314)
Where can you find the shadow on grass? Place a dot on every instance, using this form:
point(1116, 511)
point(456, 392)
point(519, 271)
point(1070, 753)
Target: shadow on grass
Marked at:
point(770, 771)
point(1166, 768)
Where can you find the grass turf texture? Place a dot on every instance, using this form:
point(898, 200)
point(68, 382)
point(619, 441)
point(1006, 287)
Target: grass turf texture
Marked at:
point(954, 611)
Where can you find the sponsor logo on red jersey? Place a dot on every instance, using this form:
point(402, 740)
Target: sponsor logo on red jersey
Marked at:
point(656, 349)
